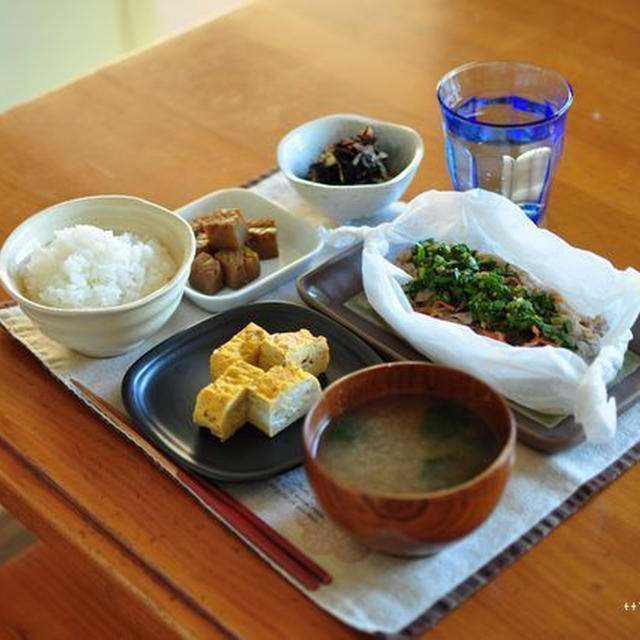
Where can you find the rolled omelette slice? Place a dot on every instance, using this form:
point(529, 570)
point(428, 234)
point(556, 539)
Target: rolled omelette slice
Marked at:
point(244, 346)
point(299, 348)
point(222, 406)
point(281, 396)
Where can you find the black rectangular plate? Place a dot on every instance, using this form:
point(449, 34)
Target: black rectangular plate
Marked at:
point(331, 284)
point(160, 388)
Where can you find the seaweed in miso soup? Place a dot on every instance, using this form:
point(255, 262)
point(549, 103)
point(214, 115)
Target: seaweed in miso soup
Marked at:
point(407, 444)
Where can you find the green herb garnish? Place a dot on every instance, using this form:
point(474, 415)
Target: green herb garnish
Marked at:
point(443, 420)
point(344, 430)
point(491, 292)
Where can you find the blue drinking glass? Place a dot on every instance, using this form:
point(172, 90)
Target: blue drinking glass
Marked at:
point(503, 126)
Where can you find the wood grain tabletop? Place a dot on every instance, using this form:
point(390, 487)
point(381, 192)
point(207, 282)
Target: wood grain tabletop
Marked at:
point(204, 111)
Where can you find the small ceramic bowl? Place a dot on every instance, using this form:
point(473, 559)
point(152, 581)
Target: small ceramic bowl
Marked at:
point(300, 148)
point(108, 331)
point(410, 524)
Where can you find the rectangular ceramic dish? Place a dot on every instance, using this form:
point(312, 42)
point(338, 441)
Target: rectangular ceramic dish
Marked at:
point(298, 242)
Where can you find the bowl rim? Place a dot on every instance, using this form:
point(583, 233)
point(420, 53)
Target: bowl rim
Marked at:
point(557, 115)
point(418, 152)
point(7, 282)
point(505, 453)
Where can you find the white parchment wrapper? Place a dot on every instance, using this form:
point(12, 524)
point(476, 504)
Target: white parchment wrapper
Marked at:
point(548, 379)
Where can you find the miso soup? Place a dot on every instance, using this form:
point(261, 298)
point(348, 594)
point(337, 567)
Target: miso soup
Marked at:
point(407, 444)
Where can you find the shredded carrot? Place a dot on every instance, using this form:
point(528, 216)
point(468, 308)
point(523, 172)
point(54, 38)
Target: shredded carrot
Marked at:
point(434, 308)
point(539, 340)
point(535, 330)
point(496, 335)
point(427, 310)
point(443, 305)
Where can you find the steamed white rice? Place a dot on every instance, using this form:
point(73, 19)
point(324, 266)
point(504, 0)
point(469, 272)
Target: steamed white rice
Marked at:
point(85, 266)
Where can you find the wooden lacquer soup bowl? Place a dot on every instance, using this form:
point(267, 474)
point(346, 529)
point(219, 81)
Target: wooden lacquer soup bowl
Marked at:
point(410, 523)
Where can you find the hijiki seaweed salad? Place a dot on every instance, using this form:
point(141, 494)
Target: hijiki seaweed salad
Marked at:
point(494, 298)
point(355, 160)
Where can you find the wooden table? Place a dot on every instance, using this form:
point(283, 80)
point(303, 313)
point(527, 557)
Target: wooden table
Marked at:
point(205, 111)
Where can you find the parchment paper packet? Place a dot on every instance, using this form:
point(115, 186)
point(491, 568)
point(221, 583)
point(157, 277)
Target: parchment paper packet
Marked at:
point(546, 379)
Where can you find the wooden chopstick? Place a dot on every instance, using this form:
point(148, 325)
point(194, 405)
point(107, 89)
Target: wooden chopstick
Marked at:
point(279, 550)
point(257, 535)
point(321, 575)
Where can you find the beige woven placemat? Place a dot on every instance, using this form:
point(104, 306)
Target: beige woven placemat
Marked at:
point(370, 591)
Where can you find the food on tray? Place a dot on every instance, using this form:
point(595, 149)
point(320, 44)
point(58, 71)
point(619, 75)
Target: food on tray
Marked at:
point(299, 348)
point(222, 406)
point(272, 395)
point(236, 244)
point(239, 266)
point(354, 160)
point(202, 243)
point(225, 229)
point(85, 266)
point(264, 241)
point(253, 223)
point(206, 273)
point(407, 443)
point(495, 299)
point(244, 346)
point(280, 396)
point(197, 225)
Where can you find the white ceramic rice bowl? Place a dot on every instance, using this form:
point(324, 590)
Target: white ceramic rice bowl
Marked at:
point(108, 331)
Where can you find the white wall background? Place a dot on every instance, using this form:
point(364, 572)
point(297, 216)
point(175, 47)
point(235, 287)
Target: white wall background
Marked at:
point(45, 43)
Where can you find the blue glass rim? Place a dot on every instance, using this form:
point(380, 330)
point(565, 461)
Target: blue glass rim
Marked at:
point(560, 113)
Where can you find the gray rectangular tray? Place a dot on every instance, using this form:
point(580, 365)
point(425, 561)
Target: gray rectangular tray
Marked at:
point(333, 283)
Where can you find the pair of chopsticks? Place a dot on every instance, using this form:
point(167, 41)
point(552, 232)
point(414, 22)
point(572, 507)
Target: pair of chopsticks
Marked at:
point(279, 550)
point(244, 522)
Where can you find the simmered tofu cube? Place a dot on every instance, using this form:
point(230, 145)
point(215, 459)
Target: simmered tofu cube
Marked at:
point(260, 222)
point(206, 274)
point(226, 229)
point(264, 241)
point(202, 243)
point(239, 266)
point(197, 224)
